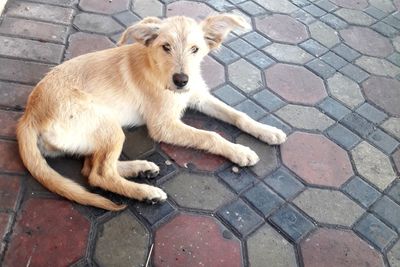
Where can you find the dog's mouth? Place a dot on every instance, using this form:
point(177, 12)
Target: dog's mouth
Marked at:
point(177, 90)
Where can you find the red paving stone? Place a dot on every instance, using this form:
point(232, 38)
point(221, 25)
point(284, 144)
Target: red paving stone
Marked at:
point(316, 159)
point(47, 233)
point(295, 84)
point(384, 92)
point(189, 240)
point(367, 41)
point(194, 10)
point(282, 28)
point(213, 72)
point(104, 6)
point(5, 219)
point(352, 4)
point(13, 94)
point(10, 187)
point(8, 122)
point(337, 248)
point(10, 160)
point(82, 43)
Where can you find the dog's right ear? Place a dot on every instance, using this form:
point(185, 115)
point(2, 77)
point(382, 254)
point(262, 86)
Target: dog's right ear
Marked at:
point(144, 32)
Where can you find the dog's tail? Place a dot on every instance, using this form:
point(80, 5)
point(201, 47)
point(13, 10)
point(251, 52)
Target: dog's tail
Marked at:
point(27, 136)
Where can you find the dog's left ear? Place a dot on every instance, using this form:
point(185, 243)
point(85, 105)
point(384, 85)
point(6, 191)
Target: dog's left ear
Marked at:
point(144, 32)
point(217, 27)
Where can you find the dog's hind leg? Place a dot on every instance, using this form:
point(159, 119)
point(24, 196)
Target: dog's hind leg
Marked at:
point(104, 172)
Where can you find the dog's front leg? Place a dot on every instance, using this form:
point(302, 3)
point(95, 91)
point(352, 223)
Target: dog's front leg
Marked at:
point(177, 133)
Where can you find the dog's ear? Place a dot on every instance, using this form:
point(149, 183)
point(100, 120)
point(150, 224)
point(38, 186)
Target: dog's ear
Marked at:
point(217, 27)
point(144, 32)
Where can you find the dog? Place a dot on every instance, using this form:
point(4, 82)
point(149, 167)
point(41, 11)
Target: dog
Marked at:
point(80, 107)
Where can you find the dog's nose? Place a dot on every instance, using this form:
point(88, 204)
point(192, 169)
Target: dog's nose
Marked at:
point(180, 79)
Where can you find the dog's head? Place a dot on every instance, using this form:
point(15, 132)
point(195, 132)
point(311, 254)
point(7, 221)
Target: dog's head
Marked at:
point(177, 45)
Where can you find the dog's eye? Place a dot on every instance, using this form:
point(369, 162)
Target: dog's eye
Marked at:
point(194, 49)
point(166, 48)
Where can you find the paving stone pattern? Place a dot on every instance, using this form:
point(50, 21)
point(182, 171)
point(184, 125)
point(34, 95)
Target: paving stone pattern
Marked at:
point(327, 72)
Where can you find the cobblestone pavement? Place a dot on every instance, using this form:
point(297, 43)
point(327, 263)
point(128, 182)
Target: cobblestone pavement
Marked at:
point(326, 72)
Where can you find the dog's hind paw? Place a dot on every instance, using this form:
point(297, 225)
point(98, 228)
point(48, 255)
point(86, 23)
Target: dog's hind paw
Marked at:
point(155, 195)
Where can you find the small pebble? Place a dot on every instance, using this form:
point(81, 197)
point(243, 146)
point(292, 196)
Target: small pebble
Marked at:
point(167, 162)
point(235, 169)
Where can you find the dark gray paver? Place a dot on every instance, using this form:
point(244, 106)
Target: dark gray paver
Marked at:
point(375, 12)
point(334, 108)
point(229, 95)
point(260, 59)
point(354, 73)
point(358, 124)
point(394, 58)
point(96, 23)
point(225, 55)
point(276, 122)
point(268, 100)
point(256, 39)
point(321, 68)
point(284, 183)
point(334, 21)
point(346, 52)
point(314, 47)
point(394, 192)
point(314, 10)
point(238, 180)
point(385, 29)
point(127, 18)
point(371, 113)
point(263, 199)
point(343, 136)
point(326, 5)
point(334, 60)
point(388, 210)
point(251, 109)
point(153, 213)
point(361, 191)
point(251, 8)
point(382, 140)
point(241, 47)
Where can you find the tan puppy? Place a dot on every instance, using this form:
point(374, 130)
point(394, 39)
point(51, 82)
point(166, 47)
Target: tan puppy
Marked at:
point(81, 106)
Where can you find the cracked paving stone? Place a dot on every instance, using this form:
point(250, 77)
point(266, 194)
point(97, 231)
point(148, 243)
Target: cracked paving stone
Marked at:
point(355, 16)
point(378, 66)
point(373, 165)
point(392, 125)
point(324, 34)
point(197, 191)
point(305, 117)
point(245, 76)
point(280, 251)
point(361, 191)
point(96, 23)
point(288, 53)
point(330, 207)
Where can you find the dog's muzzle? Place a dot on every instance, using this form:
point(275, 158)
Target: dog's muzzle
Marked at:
point(180, 80)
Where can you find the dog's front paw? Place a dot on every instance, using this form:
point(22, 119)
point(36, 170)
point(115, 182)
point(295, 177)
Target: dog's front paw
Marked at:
point(272, 136)
point(155, 195)
point(244, 156)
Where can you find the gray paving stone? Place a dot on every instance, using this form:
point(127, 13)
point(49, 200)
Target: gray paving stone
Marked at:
point(197, 191)
point(288, 53)
point(354, 72)
point(326, 206)
point(96, 23)
point(356, 17)
point(127, 18)
point(23, 72)
point(256, 39)
point(280, 251)
point(345, 90)
point(268, 158)
point(346, 52)
point(334, 21)
point(392, 125)
point(314, 10)
point(374, 12)
point(220, 5)
point(334, 60)
point(263, 199)
point(166, 169)
point(334, 108)
point(383, 141)
point(371, 113)
point(384, 29)
point(146, 8)
point(361, 191)
point(388, 210)
point(137, 142)
point(241, 217)
point(378, 66)
point(375, 231)
point(245, 76)
point(292, 222)
point(394, 255)
point(33, 50)
point(303, 16)
point(268, 100)
point(66, 3)
point(122, 241)
point(251, 8)
point(358, 124)
point(241, 47)
point(326, 5)
point(229, 95)
point(238, 181)
point(274, 121)
point(392, 21)
point(321, 68)
point(283, 6)
point(394, 58)
point(394, 192)
point(284, 183)
point(314, 47)
point(343, 136)
point(252, 109)
point(153, 213)
point(373, 165)
point(301, 3)
point(323, 33)
point(260, 59)
point(225, 55)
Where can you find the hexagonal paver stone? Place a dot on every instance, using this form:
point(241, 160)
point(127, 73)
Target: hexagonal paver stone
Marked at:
point(213, 72)
point(367, 41)
point(197, 191)
point(122, 241)
point(305, 117)
point(352, 4)
point(345, 90)
point(146, 8)
point(283, 6)
point(96, 23)
point(282, 28)
point(295, 84)
point(324, 162)
point(392, 125)
point(355, 16)
point(10, 187)
point(384, 92)
point(195, 10)
point(46, 225)
point(373, 165)
point(288, 53)
point(334, 248)
point(326, 206)
point(82, 43)
point(378, 66)
point(193, 240)
point(104, 7)
point(385, 5)
point(324, 34)
point(267, 154)
point(245, 76)
point(394, 255)
point(137, 142)
point(280, 251)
